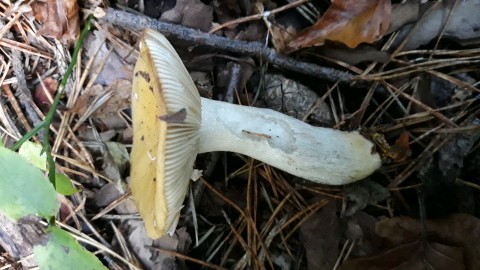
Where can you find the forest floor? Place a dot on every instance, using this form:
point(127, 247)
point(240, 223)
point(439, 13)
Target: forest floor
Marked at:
point(405, 75)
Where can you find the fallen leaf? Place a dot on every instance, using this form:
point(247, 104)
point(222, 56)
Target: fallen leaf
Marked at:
point(360, 228)
point(281, 35)
point(110, 193)
point(461, 24)
point(226, 11)
point(59, 18)
point(116, 60)
point(449, 243)
point(350, 22)
point(144, 247)
point(361, 194)
point(119, 101)
point(106, 115)
point(440, 173)
point(456, 230)
point(190, 13)
point(405, 13)
point(322, 250)
point(412, 256)
point(155, 8)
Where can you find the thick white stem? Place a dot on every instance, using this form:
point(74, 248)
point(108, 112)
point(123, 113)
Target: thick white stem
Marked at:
point(318, 154)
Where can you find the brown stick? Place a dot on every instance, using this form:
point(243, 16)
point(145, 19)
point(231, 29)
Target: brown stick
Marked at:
point(255, 49)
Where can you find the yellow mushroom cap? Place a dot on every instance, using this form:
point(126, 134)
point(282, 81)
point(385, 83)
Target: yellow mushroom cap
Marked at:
point(166, 118)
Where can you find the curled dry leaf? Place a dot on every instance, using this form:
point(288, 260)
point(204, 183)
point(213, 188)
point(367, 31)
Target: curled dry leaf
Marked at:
point(412, 256)
point(347, 21)
point(281, 35)
point(59, 18)
point(451, 243)
point(322, 250)
point(113, 60)
point(456, 20)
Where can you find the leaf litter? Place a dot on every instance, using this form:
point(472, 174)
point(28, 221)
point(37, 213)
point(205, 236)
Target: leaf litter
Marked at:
point(247, 215)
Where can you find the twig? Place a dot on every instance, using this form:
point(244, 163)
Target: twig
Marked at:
point(16, 107)
point(233, 83)
point(255, 49)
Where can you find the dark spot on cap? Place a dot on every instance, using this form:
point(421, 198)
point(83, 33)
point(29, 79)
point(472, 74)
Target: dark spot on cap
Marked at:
point(154, 179)
point(142, 138)
point(144, 75)
point(151, 88)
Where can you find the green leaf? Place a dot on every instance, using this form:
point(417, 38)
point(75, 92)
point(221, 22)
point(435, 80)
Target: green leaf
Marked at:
point(24, 190)
point(61, 251)
point(64, 185)
point(33, 153)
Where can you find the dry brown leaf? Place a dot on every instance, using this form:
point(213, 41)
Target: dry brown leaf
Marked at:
point(144, 247)
point(347, 21)
point(190, 13)
point(119, 101)
point(113, 98)
point(322, 249)
point(412, 256)
point(59, 18)
point(452, 243)
point(460, 23)
point(113, 60)
point(281, 36)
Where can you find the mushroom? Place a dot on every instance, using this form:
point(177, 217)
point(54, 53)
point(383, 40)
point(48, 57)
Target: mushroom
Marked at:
point(172, 124)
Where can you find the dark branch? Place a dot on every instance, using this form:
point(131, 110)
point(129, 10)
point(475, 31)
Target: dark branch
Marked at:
point(255, 49)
